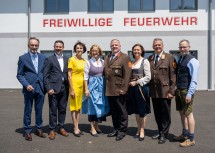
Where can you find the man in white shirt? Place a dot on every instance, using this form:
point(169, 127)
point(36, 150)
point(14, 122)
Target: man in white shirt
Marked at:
point(56, 84)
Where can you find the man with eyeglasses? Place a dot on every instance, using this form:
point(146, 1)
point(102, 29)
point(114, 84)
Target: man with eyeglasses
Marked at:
point(30, 75)
point(162, 88)
point(187, 74)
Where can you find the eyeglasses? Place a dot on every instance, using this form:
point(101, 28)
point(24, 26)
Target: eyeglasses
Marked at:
point(32, 45)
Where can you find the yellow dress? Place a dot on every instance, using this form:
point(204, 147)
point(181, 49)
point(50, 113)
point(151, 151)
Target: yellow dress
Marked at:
point(77, 67)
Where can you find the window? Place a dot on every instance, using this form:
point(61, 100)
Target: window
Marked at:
point(183, 4)
point(176, 54)
point(100, 5)
point(56, 6)
point(105, 53)
point(147, 54)
point(141, 5)
point(47, 53)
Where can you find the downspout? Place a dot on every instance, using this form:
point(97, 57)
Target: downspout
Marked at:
point(210, 55)
point(29, 19)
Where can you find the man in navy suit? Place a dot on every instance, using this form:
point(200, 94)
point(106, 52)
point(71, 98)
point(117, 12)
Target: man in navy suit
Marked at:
point(56, 84)
point(30, 75)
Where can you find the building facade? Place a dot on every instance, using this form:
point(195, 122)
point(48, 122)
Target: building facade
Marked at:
point(99, 21)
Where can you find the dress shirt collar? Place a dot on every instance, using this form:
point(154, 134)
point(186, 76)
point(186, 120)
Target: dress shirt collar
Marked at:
point(59, 56)
point(33, 55)
point(158, 54)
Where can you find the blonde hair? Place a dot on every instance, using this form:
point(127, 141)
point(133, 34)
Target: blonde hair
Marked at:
point(99, 48)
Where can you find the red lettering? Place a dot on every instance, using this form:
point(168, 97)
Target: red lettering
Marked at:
point(148, 21)
point(59, 23)
point(193, 20)
point(185, 20)
point(72, 22)
point(176, 21)
point(52, 22)
point(166, 21)
point(45, 22)
point(133, 22)
point(101, 22)
point(109, 22)
point(157, 21)
point(139, 21)
point(126, 21)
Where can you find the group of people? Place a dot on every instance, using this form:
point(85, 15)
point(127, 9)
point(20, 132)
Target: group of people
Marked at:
point(114, 86)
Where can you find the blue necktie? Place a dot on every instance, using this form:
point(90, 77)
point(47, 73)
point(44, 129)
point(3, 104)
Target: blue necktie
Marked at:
point(35, 62)
point(112, 57)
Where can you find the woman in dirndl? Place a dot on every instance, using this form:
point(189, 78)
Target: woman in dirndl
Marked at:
point(138, 95)
point(94, 85)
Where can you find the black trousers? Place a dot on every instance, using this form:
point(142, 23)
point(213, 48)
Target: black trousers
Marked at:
point(118, 112)
point(57, 108)
point(162, 112)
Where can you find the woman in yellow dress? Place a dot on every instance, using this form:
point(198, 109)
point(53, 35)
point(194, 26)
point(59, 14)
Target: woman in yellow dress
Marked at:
point(76, 83)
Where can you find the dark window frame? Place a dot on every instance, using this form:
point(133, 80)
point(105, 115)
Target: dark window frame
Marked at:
point(48, 53)
point(105, 53)
point(147, 54)
point(57, 11)
point(102, 9)
point(141, 10)
point(184, 9)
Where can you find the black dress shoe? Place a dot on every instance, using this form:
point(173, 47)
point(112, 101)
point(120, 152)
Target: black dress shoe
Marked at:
point(99, 131)
point(112, 134)
point(120, 136)
point(136, 136)
point(162, 140)
point(141, 138)
point(28, 136)
point(40, 133)
point(77, 134)
point(157, 136)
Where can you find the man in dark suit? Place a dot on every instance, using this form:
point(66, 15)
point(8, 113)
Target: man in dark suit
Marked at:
point(30, 75)
point(56, 84)
point(117, 74)
point(162, 87)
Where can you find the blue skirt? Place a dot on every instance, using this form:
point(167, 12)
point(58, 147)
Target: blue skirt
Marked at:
point(135, 103)
point(97, 103)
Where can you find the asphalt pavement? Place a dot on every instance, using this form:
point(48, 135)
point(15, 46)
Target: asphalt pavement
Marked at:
point(12, 140)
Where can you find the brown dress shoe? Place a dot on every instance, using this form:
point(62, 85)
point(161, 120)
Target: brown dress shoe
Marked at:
point(28, 136)
point(52, 135)
point(40, 133)
point(63, 132)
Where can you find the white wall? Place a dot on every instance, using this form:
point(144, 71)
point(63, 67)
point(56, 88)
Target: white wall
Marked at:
point(13, 33)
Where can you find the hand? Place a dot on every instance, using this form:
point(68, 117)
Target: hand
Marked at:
point(51, 92)
point(133, 83)
point(122, 92)
point(188, 100)
point(72, 93)
point(87, 93)
point(169, 96)
point(29, 88)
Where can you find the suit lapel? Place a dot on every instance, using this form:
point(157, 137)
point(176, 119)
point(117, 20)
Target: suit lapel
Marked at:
point(113, 60)
point(65, 61)
point(28, 58)
point(40, 63)
point(152, 62)
point(56, 62)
